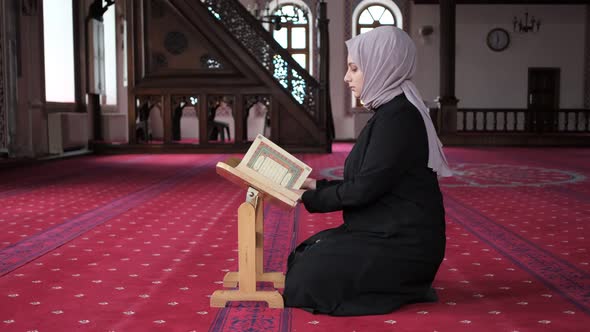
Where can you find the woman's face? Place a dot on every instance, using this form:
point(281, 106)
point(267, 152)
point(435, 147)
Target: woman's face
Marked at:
point(354, 78)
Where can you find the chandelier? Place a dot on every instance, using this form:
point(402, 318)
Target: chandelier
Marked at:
point(526, 25)
point(278, 18)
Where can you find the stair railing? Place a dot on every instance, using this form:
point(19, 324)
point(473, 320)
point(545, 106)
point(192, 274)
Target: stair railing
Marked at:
point(234, 17)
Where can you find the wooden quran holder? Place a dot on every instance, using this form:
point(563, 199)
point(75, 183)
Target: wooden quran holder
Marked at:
point(250, 265)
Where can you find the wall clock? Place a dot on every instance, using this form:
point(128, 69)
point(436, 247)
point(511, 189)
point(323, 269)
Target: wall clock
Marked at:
point(498, 39)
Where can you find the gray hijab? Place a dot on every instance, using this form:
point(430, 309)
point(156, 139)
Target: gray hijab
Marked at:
point(387, 58)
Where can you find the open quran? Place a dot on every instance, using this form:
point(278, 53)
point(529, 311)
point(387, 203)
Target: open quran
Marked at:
point(269, 169)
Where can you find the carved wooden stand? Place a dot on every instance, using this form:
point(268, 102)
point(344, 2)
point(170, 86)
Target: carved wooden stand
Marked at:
point(251, 250)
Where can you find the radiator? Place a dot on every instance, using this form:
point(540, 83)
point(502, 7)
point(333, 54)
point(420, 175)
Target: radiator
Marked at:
point(67, 132)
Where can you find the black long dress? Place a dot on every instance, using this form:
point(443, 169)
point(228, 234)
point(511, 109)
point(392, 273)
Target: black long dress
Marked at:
point(392, 241)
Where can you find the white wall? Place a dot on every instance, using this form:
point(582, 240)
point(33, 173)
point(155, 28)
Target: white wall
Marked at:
point(500, 80)
point(427, 74)
point(484, 79)
point(487, 79)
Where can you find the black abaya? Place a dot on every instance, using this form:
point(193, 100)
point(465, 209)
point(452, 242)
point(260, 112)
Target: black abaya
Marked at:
point(392, 242)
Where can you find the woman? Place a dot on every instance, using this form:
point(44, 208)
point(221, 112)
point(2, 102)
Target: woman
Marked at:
point(392, 242)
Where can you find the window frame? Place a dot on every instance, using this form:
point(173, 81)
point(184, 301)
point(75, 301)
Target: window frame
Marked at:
point(273, 7)
point(289, 26)
point(79, 27)
point(359, 26)
point(104, 98)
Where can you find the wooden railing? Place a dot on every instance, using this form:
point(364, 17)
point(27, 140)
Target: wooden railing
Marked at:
point(523, 120)
point(573, 120)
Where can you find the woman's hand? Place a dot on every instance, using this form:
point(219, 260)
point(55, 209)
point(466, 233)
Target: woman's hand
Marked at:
point(309, 183)
point(299, 192)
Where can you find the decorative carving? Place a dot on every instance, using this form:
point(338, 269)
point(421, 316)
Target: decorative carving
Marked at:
point(175, 42)
point(251, 100)
point(209, 62)
point(234, 17)
point(304, 94)
point(281, 71)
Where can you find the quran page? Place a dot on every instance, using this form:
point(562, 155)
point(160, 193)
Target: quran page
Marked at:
point(268, 160)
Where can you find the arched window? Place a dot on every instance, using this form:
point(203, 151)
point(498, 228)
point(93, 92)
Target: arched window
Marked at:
point(374, 14)
point(293, 33)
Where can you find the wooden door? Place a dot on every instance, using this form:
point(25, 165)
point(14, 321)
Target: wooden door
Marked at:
point(543, 99)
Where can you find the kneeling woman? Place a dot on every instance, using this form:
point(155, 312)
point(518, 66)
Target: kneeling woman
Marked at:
point(389, 248)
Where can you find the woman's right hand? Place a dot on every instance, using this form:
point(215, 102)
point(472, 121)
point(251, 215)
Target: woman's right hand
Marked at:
point(309, 183)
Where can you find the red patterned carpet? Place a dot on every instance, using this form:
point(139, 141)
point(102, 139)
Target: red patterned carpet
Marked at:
point(139, 242)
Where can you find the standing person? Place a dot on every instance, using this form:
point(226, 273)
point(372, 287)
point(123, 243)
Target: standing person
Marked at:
point(389, 248)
